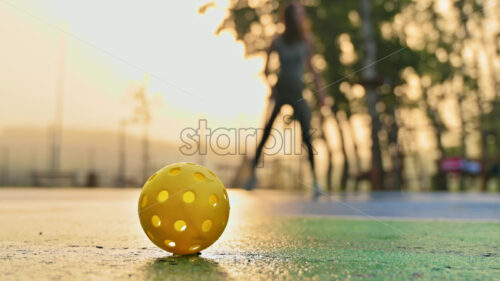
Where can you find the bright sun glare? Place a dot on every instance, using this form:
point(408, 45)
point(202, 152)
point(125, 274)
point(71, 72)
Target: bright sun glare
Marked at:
point(109, 45)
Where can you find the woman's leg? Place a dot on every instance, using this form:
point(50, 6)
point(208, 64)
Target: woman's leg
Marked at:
point(265, 136)
point(252, 181)
point(303, 114)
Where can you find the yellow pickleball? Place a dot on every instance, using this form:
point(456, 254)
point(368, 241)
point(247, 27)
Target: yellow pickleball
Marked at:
point(183, 208)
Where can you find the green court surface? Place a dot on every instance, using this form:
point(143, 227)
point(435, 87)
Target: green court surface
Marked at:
point(330, 249)
point(94, 234)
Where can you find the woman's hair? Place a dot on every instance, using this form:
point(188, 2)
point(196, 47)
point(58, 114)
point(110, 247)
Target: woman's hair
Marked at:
point(296, 25)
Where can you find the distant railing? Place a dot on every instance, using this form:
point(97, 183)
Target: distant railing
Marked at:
point(50, 178)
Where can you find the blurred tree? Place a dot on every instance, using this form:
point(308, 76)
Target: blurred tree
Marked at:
point(435, 60)
point(141, 103)
point(338, 36)
point(457, 42)
point(370, 82)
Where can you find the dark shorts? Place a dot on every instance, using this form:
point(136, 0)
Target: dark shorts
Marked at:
point(289, 91)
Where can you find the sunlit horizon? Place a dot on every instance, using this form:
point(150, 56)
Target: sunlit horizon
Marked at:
point(194, 73)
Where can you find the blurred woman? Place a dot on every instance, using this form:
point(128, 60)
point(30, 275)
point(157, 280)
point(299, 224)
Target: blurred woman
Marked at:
point(294, 49)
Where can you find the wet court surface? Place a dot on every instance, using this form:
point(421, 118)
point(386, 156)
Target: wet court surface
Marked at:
point(79, 234)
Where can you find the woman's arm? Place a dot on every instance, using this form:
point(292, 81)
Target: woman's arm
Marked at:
point(320, 91)
point(266, 66)
point(268, 54)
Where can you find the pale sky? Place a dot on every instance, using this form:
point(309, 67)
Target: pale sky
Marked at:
point(111, 44)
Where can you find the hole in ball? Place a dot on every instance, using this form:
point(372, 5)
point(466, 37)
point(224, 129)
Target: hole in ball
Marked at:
point(199, 176)
point(188, 197)
point(206, 225)
point(155, 220)
point(194, 247)
point(212, 200)
point(144, 201)
point(180, 225)
point(162, 196)
point(152, 177)
point(174, 171)
point(169, 243)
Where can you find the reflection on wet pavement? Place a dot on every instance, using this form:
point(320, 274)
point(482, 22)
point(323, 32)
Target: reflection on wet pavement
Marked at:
point(418, 205)
point(178, 267)
point(95, 234)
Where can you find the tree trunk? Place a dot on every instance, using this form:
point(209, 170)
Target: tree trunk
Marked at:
point(369, 76)
point(340, 132)
point(329, 154)
point(440, 181)
point(345, 165)
point(460, 5)
point(396, 154)
point(484, 133)
point(358, 173)
point(329, 172)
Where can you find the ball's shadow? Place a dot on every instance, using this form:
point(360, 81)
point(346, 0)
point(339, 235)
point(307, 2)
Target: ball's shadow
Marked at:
point(192, 267)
